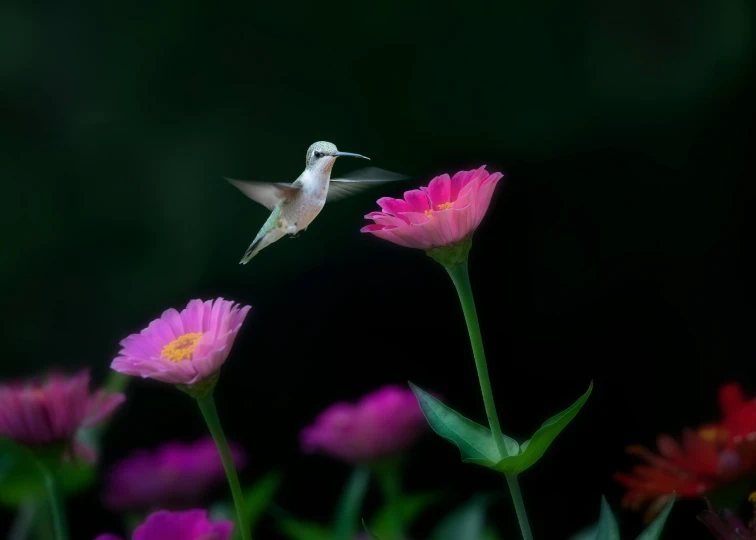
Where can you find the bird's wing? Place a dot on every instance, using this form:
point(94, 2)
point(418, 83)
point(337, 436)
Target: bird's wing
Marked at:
point(265, 193)
point(360, 180)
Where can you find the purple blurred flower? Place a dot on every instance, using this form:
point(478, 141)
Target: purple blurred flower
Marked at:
point(381, 424)
point(37, 413)
point(187, 525)
point(174, 475)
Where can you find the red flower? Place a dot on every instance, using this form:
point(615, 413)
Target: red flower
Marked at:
point(709, 457)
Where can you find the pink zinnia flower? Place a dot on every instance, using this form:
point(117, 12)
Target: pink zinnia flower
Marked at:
point(188, 525)
point(381, 424)
point(37, 413)
point(174, 475)
point(183, 348)
point(443, 214)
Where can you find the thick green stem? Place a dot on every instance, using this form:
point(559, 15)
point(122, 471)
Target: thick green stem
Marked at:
point(389, 478)
point(348, 510)
point(519, 504)
point(461, 279)
point(207, 406)
point(57, 508)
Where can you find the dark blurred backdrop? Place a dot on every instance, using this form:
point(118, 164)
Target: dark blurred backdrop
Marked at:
point(618, 248)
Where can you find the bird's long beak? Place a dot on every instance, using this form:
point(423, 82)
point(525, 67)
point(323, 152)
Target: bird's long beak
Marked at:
point(349, 154)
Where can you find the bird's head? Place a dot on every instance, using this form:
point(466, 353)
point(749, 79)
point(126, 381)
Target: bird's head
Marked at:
point(322, 154)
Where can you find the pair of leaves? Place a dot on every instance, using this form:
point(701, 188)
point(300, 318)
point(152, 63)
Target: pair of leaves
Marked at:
point(476, 443)
point(21, 480)
point(607, 528)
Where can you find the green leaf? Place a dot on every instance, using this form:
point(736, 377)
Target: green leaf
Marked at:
point(532, 450)
point(20, 478)
point(607, 525)
point(589, 533)
point(258, 496)
point(653, 532)
point(410, 506)
point(474, 441)
point(257, 499)
point(297, 529)
point(367, 531)
point(466, 522)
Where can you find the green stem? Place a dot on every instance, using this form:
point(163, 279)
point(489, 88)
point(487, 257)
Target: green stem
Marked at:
point(210, 413)
point(56, 501)
point(461, 279)
point(519, 504)
point(350, 504)
point(389, 478)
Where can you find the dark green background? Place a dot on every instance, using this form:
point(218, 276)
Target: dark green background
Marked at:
point(618, 247)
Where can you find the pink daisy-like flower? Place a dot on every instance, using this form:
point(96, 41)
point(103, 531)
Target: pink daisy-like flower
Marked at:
point(381, 424)
point(183, 348)
point(188, 525)
point(37, 413)
point(174, 475)
point(443, 214)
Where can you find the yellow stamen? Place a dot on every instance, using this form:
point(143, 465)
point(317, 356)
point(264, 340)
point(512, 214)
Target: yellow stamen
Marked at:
point(181, 348)
point(428, 214)
point(444, 206)
point(752, 498)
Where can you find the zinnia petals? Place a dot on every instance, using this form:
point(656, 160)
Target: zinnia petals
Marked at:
point(442, 214)
point(35, 413)
point(186, 347)
point(382, 423)
point(174, 475)
point(187, 525)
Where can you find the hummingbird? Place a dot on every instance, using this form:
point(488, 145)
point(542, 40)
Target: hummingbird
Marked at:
point(294, 206)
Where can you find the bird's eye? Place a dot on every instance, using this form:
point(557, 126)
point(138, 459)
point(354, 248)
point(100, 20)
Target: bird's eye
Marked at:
point(318, 154)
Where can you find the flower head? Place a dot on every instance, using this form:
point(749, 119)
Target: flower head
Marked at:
point(381, 424)
point(174, 475)
point(183, 348)
point(708, 458)
point(38, 413)
point(441, 215)
point(187, 525)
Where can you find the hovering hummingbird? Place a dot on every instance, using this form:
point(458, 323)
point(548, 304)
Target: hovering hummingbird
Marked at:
point(294, 206)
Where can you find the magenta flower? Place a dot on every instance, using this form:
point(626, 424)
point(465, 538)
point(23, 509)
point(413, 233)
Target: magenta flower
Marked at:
point(174, 475)
point(37, 413)
point(443, 214)
point(381, 424)
point(183, 348)
point(187, 525)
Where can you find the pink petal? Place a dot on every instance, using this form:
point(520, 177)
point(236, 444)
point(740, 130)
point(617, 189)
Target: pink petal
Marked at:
point(173, 318)
point(394, 206)
point(439, 191)
point(417, 199)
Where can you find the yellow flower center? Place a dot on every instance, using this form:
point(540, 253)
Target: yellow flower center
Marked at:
point(444, 206)
point(181, 348)
point(752, 498)
point(428, 214)
point(713, 434)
